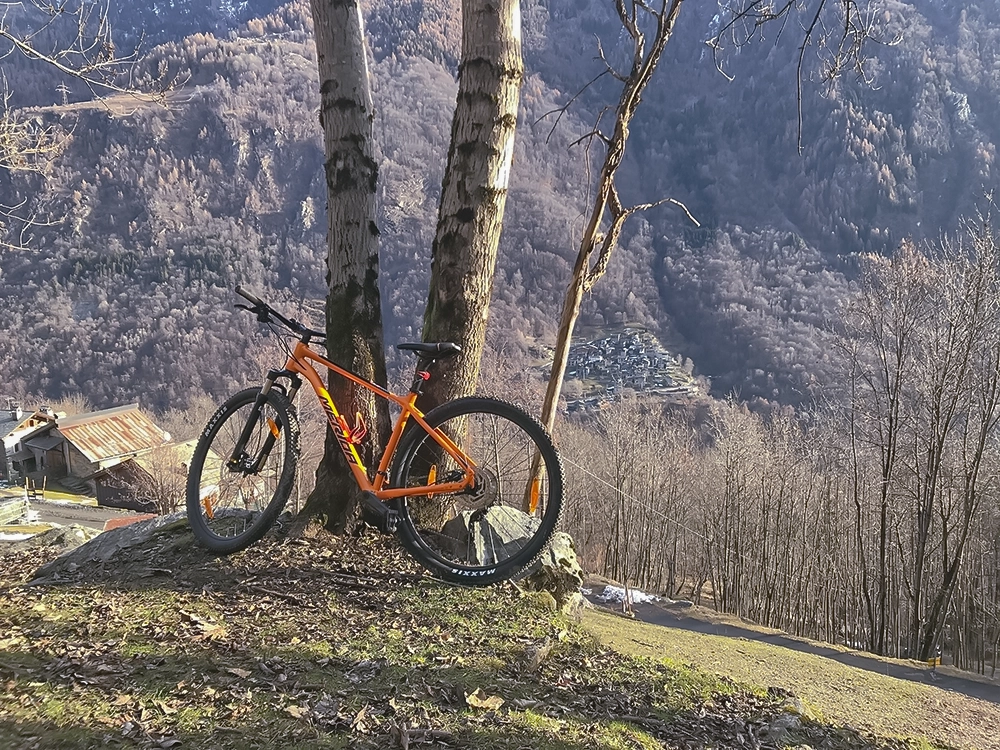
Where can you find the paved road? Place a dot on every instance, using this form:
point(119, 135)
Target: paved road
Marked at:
point(70, 513)
point(676, 617)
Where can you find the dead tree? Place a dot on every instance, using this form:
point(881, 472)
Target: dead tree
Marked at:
point(837, 27)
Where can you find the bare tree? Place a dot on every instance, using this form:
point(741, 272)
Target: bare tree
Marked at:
point(960, 400)
point(837, 29)
point(886, 321)
point(608, 214)
point(925, 408)
point(158, 478)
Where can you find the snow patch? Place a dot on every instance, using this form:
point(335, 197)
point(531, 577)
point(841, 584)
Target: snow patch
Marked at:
point(617, 594)
point(4, 537)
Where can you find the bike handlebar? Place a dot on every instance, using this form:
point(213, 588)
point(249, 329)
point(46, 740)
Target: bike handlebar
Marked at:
point(249, 296)
point(265, 313)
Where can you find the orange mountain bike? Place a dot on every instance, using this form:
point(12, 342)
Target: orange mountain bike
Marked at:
point(458, 484)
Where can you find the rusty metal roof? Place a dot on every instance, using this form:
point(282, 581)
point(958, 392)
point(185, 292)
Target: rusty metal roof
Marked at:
point(106, 434)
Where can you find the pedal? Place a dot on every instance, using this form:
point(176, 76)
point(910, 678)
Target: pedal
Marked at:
point(378, 514)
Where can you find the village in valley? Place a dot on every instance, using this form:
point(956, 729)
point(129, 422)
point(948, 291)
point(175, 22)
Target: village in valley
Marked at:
point(633, 360)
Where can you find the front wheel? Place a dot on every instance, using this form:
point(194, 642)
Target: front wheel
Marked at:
point(491, 531)
point(242, 470)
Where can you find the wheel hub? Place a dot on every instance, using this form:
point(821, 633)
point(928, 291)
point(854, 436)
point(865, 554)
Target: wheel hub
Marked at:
point(484, 492)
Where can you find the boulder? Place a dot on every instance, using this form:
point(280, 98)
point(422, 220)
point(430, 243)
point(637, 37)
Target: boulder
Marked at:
point(491, 534)
point(558, 572)
point(108, 544)
point(65, 537)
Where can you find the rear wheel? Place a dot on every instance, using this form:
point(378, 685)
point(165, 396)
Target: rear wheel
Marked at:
point(491, 531)
point(242, 470)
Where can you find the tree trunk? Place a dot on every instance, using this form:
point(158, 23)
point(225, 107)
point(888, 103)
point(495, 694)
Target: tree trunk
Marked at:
point(353, 306)
point(474, 192)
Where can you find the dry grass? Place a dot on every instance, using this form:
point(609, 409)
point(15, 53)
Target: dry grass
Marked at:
point(839, 693)
point(337, 643)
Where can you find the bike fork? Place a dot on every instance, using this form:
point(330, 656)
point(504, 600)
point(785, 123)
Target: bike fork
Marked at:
point(274, 429)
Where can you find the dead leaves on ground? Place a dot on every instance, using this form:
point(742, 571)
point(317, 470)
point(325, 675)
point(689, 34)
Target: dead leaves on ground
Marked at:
point(285, 643)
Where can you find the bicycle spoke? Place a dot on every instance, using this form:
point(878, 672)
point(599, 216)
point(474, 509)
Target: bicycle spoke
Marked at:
point(483, 530)
point(238, 484)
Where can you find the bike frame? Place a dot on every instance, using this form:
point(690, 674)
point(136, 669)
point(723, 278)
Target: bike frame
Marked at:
point(299, 363)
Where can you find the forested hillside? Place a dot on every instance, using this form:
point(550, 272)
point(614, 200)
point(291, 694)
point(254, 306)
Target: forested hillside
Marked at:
point(869, 518)
point(151, 214)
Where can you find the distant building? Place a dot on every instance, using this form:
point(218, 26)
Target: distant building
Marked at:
point(15, 422)
point(74, 449)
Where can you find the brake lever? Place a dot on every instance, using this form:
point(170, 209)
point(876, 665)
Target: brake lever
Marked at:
point(262, 313)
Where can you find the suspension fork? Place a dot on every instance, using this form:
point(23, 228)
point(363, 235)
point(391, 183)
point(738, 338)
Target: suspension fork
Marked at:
point(254, 418)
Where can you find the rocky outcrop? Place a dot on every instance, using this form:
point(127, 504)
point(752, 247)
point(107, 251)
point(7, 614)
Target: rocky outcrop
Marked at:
point(493, 534)
point(66, 537)
point(105, 546)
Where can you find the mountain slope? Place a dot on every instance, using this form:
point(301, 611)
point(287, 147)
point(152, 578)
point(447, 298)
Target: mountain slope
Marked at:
point(151, 215)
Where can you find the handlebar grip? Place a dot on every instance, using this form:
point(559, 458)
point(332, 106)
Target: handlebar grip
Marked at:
point(249, 296)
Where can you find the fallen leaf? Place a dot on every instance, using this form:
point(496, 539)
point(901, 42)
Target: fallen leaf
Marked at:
point(167, 710)
point(241, 673)
point(358, 724)
point(480, 699)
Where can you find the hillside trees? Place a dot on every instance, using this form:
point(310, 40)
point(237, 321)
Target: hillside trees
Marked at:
point(76, 40)
point(230, 179)
point(926, 404)
point(648, 28)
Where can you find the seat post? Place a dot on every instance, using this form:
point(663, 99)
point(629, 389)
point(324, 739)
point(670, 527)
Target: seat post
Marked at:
point(422, 375)
point(427, 354)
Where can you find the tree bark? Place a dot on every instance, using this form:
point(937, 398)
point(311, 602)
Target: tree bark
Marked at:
point(353, 306)
point(474, 192)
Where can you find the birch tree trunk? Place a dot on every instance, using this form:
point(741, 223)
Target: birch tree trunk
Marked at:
point(474, 192)
point(353, 306)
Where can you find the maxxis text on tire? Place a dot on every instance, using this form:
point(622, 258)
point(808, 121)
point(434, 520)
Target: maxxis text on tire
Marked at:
point(230, 510)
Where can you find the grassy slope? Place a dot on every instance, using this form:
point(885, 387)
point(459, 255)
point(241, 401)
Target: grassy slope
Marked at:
point(840, 693)
point(330, 643)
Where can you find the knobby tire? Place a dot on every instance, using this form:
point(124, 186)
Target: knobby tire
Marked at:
point(502, 440)
point(244, 505)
